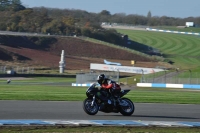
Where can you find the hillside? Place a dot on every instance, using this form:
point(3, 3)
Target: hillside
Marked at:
point(45, 52)
point(181, 49)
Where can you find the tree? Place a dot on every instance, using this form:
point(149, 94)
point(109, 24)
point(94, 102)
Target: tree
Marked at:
point(13, 5)
point(149, 18)
point(4, 4)
point(105, 12)
point(86, 32)
point(149, 15)
point(16, 5)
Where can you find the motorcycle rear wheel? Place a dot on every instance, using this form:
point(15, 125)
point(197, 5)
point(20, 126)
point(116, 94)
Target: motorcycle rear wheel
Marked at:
point(90, 110)
point(127, 110)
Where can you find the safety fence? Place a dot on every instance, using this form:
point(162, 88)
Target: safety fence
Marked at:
point(173, 77)
point(176, 32)
point(92, 76)
point(16, 69)
point(166, 77)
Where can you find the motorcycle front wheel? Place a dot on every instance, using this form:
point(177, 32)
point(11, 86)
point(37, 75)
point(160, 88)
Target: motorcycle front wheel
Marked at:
point(88, 108)
point(128, 109)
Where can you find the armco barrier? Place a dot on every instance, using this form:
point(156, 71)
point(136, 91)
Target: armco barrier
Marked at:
point(168, 31)
point(82, 85)
point(99, 123)
point(37, 75)
point(159, 85)
point(156, 85)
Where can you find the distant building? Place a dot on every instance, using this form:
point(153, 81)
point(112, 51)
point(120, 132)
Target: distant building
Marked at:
point(189, 24)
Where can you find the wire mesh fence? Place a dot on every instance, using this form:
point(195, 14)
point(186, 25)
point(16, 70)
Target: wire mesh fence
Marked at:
point(169, 77)
point(172, 77)
point(92, 76)
point(16, 69)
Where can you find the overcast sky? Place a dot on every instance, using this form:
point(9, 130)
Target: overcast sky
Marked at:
point(171, 8)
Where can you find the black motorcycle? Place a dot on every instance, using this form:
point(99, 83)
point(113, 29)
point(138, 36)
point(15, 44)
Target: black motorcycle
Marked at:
point(92, 103)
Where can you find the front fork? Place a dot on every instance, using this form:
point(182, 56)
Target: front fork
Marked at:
point(93, 99)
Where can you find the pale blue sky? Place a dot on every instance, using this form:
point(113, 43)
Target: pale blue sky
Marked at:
point(171, 8)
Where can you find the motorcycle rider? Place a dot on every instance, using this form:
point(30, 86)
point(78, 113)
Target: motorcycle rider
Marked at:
point(110, 87)
point(103, 94)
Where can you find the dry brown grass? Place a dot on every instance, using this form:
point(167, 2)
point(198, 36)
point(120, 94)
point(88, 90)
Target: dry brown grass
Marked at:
point(79, 54)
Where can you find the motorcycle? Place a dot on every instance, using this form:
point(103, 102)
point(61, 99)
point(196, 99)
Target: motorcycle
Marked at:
point(92, 103)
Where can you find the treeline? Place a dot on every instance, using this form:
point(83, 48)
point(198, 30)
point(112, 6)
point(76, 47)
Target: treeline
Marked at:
point(15, 17)
point(12, 5)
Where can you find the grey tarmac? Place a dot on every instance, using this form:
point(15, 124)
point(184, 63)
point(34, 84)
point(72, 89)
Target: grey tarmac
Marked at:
point(72, 110)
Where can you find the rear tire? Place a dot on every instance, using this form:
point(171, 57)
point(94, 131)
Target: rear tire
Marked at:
point(127, 111)
point(90, 110)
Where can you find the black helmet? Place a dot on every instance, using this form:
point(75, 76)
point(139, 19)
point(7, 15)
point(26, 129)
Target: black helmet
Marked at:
point(100, 78)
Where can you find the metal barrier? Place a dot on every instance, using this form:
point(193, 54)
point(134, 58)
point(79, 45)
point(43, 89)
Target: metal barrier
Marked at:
point(16, 69)
point(92, 76)
point(173, 77)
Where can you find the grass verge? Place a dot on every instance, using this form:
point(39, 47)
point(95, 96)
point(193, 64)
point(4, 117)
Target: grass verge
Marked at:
point(97, 129)
point(61, 92)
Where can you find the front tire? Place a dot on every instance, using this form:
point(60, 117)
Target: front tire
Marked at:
point(90, 110)
point(129, 109)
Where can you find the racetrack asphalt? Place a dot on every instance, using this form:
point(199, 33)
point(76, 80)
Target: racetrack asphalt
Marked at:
point(72, 110)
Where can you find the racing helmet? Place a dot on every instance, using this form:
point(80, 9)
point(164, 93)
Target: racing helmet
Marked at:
point(100, 78)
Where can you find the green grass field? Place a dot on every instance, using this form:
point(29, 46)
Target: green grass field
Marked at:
point(181, 49)
point(57, 90)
